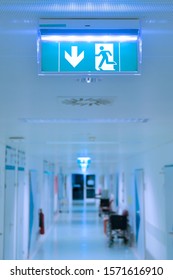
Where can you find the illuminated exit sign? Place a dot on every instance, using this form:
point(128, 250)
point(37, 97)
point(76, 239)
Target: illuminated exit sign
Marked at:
point(95, 51)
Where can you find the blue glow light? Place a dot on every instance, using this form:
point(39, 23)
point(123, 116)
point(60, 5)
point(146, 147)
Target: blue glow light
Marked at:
point(83, 163)
point(89, 38)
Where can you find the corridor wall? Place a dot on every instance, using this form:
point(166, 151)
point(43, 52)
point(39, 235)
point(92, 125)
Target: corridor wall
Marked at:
point(47, 193)
point(21, 194)
point(10, 203)
point(2, 178)
point(33, 212)
point(13, 221)
point(21, 209)
point(41, 196)
point(152, 162)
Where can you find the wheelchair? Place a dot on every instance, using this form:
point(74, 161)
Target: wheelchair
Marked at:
point(118, 228)
point(104, 207)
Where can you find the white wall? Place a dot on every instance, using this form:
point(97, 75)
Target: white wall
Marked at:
point(43, 182)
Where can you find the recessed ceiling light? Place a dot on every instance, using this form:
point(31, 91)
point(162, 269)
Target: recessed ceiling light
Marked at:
point(92, 138)
point(82, 143)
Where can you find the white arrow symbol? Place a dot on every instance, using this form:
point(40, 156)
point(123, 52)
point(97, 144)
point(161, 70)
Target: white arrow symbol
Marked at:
point(74, 59)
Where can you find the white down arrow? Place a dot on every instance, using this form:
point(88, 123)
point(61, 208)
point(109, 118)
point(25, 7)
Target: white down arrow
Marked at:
point(74, 59)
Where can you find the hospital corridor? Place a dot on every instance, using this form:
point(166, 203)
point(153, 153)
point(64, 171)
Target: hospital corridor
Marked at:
point(86, 130)
point(80, 235)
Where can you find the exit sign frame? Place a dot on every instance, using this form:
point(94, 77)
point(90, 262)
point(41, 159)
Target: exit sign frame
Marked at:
point(97, 47)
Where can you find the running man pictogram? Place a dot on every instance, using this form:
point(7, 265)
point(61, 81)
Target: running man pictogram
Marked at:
point(105, 58)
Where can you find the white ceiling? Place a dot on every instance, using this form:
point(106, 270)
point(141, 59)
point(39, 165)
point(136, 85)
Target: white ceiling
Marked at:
point(62, 131)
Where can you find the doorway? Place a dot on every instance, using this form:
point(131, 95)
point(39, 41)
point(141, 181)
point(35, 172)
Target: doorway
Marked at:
point(9, 214)
point(10, 204)
point(77, 186)
point(139, 213)
point(90, 186)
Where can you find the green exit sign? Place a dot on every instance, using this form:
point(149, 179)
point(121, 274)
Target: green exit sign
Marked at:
point(94, 51)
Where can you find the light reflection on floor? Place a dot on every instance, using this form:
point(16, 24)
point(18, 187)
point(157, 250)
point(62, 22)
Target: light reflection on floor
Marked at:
point(79, 235)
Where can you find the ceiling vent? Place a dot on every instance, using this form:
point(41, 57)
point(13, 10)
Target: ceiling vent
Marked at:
point(16, 138)
point(86, 101)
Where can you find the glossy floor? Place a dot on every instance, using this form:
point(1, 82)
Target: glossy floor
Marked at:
point(78, 234)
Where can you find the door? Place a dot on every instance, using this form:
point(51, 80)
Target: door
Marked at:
point(10, 217)
point(168, 186)
point(10, 204)
point(139, 213)
point(78, 187)
point(20, 216)
point(90, 186)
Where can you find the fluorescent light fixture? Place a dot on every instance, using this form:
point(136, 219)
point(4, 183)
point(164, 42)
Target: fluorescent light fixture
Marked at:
point(82, 143)
point(69, 121)
point(89, 38)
